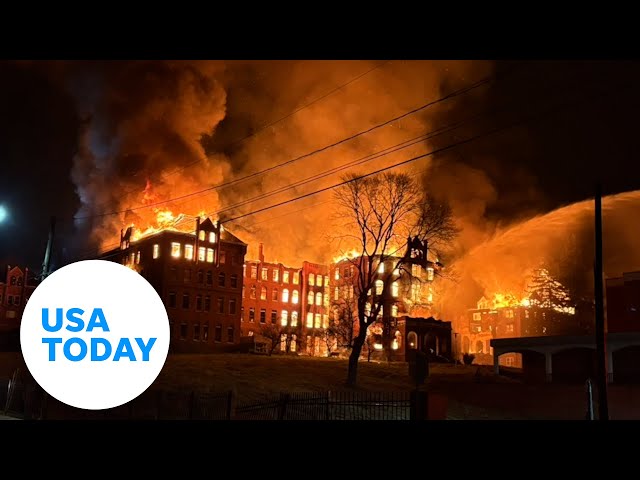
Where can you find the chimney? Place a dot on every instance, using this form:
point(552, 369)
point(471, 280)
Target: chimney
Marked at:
point(260, 254)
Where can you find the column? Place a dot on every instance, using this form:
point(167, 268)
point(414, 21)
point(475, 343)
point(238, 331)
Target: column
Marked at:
point(496, 362)
point(548, 364)
point(609, 365)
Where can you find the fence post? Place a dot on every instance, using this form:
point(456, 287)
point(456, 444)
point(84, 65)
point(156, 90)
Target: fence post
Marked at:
point(282, 405)
point(590, 415)
point(328, 409)
point(192, 401)
point(230, 405)
point(418, 405)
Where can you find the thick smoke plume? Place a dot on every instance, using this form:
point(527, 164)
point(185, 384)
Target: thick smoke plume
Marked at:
point(158, 130)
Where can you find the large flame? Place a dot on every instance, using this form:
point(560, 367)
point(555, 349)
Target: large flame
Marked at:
point(164, 220)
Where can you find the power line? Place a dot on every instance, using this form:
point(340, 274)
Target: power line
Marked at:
point(453, 94)
point(404, 162)
point(271, 124)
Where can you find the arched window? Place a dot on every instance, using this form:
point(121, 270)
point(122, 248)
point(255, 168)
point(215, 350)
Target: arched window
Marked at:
point(379, 287)
point(253, 291)
point(397, 341)
point(318, 298)
point(412, 340)
point(319, 281)
point(200, 276)
point(263, 293)
point(285, 295)
point(201, 235)
point(395, 289)
point(294, 297)
point(479, 346)
point(310, 298)
point(312, 279)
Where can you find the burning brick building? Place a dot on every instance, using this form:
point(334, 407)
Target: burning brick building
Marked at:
point(198, 275)
point(403, 288)
point(293, 299)
point(15, 290)
point(546, 310)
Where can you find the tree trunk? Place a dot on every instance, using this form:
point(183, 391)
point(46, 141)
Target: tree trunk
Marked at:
point(354, 356)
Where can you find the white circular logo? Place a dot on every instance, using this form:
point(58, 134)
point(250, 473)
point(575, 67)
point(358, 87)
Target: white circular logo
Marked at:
point(95, 334)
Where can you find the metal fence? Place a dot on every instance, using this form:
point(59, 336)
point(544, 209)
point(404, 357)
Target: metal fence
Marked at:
point(31, 402)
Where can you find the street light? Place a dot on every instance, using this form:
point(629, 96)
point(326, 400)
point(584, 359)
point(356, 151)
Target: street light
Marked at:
point(4, 213)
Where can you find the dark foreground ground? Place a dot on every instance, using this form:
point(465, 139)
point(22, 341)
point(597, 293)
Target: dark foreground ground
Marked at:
point(473, 392)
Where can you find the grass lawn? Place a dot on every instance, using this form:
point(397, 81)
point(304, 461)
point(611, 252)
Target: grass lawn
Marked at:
point(473, 392)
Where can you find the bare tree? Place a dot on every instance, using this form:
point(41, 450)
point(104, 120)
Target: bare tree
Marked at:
point(377, 215)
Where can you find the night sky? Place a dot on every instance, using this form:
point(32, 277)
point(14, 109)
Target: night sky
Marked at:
point(550, 161)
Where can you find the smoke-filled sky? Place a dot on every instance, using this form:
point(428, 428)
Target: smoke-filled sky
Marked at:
point(83, 139)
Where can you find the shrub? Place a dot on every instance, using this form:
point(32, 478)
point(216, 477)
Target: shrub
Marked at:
point(468, 358)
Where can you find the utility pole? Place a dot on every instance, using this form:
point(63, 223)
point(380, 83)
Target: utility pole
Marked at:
point(601, 354)
point(47, 254)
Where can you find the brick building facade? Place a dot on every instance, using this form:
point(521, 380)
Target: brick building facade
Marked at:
point(292, 298)
point(199, 278)
point(15, 289)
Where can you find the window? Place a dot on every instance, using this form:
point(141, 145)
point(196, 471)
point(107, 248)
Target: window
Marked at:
point(318, 280)
point(412, 340)
point(254, 271)
point(175, 249)
point(326, 280)
point(221, 279)
point(200, 276)
point(156, 251)
point(477, 316)
point(309, 319)
point(210, 255)
point(207, 303)
point(509, 313)
point(205, 332)
point(510, 327)
point(223, 257)
point(274, 316)
point(264, 273)
point(201, 235)
point(242, 291)
point(17, 300)
point(318, 298)
point(415, 270)
point(294, 297)
point(230, 334)
point(325, 321)
point(244, 270)
point(13, 280)
point(312, 279)
point(188, 252)
point(263, 315)
point(310, 298)
point(218, 337)
point(284, 317)
point(132, 261)
point(430, 274)
point(285, 276)
point(220, 304)
point(196, 332)
point(294, 319)
point(381, 267)
point(252, 314)
point(198, 303)
point(318, 321)
point(252, 293)
point(263, 293)
point(274, 294)
point(172, 299)
point(326, 299)
point(185, 300)
point(509, 361)
point(292, 347)
point(296, 278)
point(336, 294)
point(276, 274)
point(394, 310)
point(183, 331)
point(10, 299)
point(283, 342)
point(209, 277)
point(173, 274)
point(212, 237)
point(201, 254)
point(285, 295)
point(234, 281)
point(395, 289)
point(187, 275)
point(336, 274)
point(379, 287)
point(232, 306)
point(138, 257)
